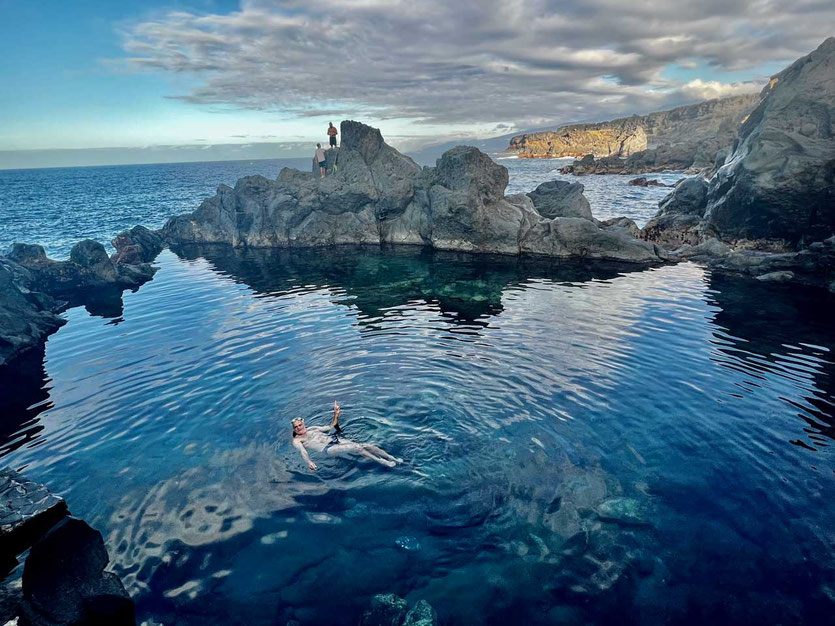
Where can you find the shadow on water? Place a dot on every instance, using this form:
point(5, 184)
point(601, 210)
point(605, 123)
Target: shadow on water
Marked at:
point(514, 504)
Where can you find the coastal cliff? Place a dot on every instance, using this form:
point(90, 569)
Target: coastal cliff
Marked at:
point(774, 197)
point(681, 138)
point(375, 195)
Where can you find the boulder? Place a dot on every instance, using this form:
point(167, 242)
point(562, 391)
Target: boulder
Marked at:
point(560, 198)
point(642, 181)
point(64, 582)
point(778, 182)
point(137, 245)
point(375, 195)
point(386, 609)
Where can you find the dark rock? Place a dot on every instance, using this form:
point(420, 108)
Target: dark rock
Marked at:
point(64, 581)
point(386, 609)
point(375, 195)
point(137, 245)
point(778, 183)
point(27, 511)
point(91, 256)
point(559, 198)
point(642, 181)
point(30, 283)
point(680, 215)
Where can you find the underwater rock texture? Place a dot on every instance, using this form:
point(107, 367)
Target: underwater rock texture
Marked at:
point(375, 195)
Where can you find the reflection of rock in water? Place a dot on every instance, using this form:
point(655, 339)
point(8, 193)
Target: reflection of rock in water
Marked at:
point(785, 330)
point(200, 506)
point(465, 286)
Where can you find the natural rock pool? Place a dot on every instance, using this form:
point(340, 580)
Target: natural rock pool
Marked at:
point(583, 443)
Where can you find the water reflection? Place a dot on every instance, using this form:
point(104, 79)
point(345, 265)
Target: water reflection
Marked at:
point(584, 443)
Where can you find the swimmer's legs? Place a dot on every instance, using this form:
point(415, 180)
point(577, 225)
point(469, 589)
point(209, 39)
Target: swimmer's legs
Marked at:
point(378, 451)
point(346, 448)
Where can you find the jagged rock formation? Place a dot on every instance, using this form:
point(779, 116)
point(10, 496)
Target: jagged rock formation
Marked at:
point(779, 180)
point(35, 289)
point(375, 195)
point(681, 138)
point(776, 192)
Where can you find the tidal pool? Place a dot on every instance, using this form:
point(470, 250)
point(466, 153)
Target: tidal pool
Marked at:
point(582, 443)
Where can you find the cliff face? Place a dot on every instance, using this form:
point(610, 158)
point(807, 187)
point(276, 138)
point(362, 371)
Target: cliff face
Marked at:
point(699, 130)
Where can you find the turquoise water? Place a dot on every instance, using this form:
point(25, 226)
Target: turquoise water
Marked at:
point(582, 443)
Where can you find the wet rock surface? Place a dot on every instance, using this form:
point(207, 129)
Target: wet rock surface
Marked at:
point(375, 195)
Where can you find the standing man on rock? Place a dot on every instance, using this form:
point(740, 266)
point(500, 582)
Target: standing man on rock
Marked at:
point(332, 132)
point(320, 158)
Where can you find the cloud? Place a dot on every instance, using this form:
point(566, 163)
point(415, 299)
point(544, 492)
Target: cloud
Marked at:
point(512, 62)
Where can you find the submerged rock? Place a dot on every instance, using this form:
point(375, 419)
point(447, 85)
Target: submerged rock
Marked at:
point(386, 609)
point(421, 614)
point(375, 195)
point(625, 511)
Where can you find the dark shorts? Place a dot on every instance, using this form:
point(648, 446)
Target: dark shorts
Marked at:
point(322, 163)
point(333, 140)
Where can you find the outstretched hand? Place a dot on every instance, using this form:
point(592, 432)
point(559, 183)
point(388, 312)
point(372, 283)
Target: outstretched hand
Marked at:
point(312, 465)
point(336, 411)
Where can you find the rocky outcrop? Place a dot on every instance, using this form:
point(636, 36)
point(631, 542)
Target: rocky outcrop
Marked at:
point(559, 198)
point(778, 183)
point(375, 195)
point(642, 181)
point(681, 138)
point(774, 198)
point(35, 289)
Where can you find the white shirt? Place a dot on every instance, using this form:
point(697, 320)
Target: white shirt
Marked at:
point(320, 155)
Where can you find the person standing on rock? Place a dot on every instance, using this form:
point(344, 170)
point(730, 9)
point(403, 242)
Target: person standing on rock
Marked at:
point(320, 158)
point(317, 438)
point(332, 133)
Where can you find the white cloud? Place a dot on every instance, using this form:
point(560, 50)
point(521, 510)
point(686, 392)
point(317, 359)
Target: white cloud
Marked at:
point(472, 61)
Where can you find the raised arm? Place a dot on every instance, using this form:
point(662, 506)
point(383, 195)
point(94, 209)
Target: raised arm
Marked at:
point(335, 421)
point(303, 451)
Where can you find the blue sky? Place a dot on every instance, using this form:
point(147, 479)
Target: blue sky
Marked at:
point(137, 75)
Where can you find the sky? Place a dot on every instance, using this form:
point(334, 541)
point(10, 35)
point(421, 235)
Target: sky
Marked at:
point(104, 82)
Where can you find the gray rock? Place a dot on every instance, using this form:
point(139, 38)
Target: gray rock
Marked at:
point(559, 198)
point(386, 609)
point(421, 614)
point(374, 195)
point(776, 277)
point(777, 183)
point(64, 582)
point(621, 222)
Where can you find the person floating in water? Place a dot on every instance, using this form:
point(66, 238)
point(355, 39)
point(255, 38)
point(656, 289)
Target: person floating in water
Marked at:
point(319, 157)
point(332, 133)
point(316, 438)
